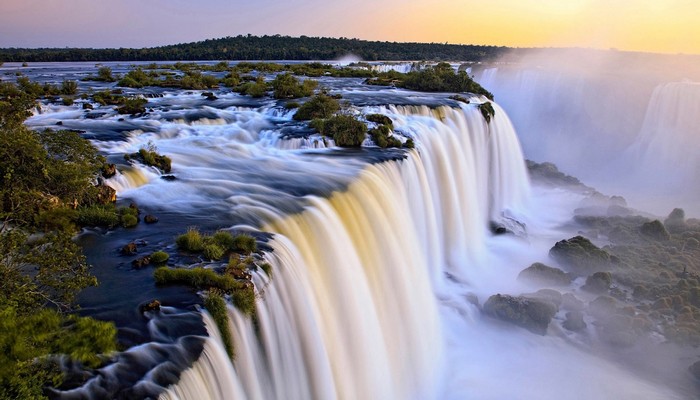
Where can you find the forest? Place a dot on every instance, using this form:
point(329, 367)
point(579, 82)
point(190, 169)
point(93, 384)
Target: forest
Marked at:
point(274, 47)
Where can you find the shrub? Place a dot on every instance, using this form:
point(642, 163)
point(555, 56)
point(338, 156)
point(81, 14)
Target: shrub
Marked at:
point(69, 88)
point(267, 268)
point(149, 156)
point(244, 299)
point(487, 111)
point(213, 251)
point(254, 89)
point(409, 144)
point(136, 105)
point(191, 241)
point(291, 105)
point(98, 215)
point(380, 119)
point(319, 106)
point(68, 101)
point(244, 243)
point(346, 130)
point(224, 239)
point(57, 219)
point(231, 80)
point(105, 74)
point(216, 306)
point(286, 86)
point(159, 257)
point(198, 278)
point(129, 221)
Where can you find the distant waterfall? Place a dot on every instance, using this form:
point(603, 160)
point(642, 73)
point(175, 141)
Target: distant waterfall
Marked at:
point(352, 308)
point(667, 147)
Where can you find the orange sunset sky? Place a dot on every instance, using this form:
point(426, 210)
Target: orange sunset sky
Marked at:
point(668, 26)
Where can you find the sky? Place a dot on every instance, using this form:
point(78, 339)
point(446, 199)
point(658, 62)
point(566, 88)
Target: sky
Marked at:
point(666, 26)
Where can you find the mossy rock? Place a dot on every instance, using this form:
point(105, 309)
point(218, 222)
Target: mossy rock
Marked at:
point(574, 321)
point(531, 314)
point(582, 256)
point(546, 275)
point(655, 230)
point(598, 283)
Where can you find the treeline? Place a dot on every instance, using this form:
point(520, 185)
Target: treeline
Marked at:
point(274, 47)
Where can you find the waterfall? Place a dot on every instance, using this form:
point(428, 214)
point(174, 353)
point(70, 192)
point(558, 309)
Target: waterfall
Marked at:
point(352, 308)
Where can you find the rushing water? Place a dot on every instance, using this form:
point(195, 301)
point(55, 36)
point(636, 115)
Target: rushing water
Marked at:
point(378, 256)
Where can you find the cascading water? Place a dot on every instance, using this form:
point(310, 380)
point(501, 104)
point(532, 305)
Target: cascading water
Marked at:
point(352, 309)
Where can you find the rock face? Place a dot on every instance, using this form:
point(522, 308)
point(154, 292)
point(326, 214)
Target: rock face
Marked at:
point(598, 283)
point(531, 314)
point(543, 274)
point(574, 321)
point(109, 170)
point(106, 195)
point(582, 256)
point(655, 230)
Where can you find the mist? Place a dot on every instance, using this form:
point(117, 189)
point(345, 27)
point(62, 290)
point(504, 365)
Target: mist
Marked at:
point(624, 123)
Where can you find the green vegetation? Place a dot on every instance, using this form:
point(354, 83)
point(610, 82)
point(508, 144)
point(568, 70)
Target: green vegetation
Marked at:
point(439, 78)
point(216, 305)
point(98, 215)
point(244, 243)
point(274, 47)
point(149, 156)
point(255, 89)
point(191, 241)
point(320, 106)
point(286, 86)
point(242, 294)
point(346, 130)
point(380, 119)
point(134, 105)
point(46, 180)
point(159, 257)
point(487, 111)
point(69, 88)
point(214, 247)
point(198, 278)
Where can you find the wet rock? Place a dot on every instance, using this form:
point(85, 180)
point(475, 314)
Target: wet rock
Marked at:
point(598, 283)
point(574, 321)
point(109, 170)
point(497, 228)
point(209, 95)
point(546, 275)
point(582, 256)
point(87, 106)
point(59, 123)
point(141, 262)
point(655, 230)
point(105, 195)
point(95, 115)
point(571, 302)
point(531, 314)
point(240, 273)
point(549, 295)
point(602, 307)
point(152, 306)
point(129, 250)
point(168, 177)
point(150, 219)
point(675, 222)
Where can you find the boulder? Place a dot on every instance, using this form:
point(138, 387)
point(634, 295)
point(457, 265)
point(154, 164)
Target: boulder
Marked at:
point(655, 230)
point(105, 195)
point(574, 321)
point(598, 283)
point(129, 249)
point(675, 222)
point(549, 295)
point(109, 170)
point(150, 219)
point(141, 262)
point(152, 306)
point(571, 302)
point(545, 275)
point(531, 314)
point(582, 256)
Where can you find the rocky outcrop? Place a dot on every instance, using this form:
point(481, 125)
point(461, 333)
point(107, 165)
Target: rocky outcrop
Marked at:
point(531, 314)
point(579, 254)
point(545, 275)
point(598, 283)
point(655, 230)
